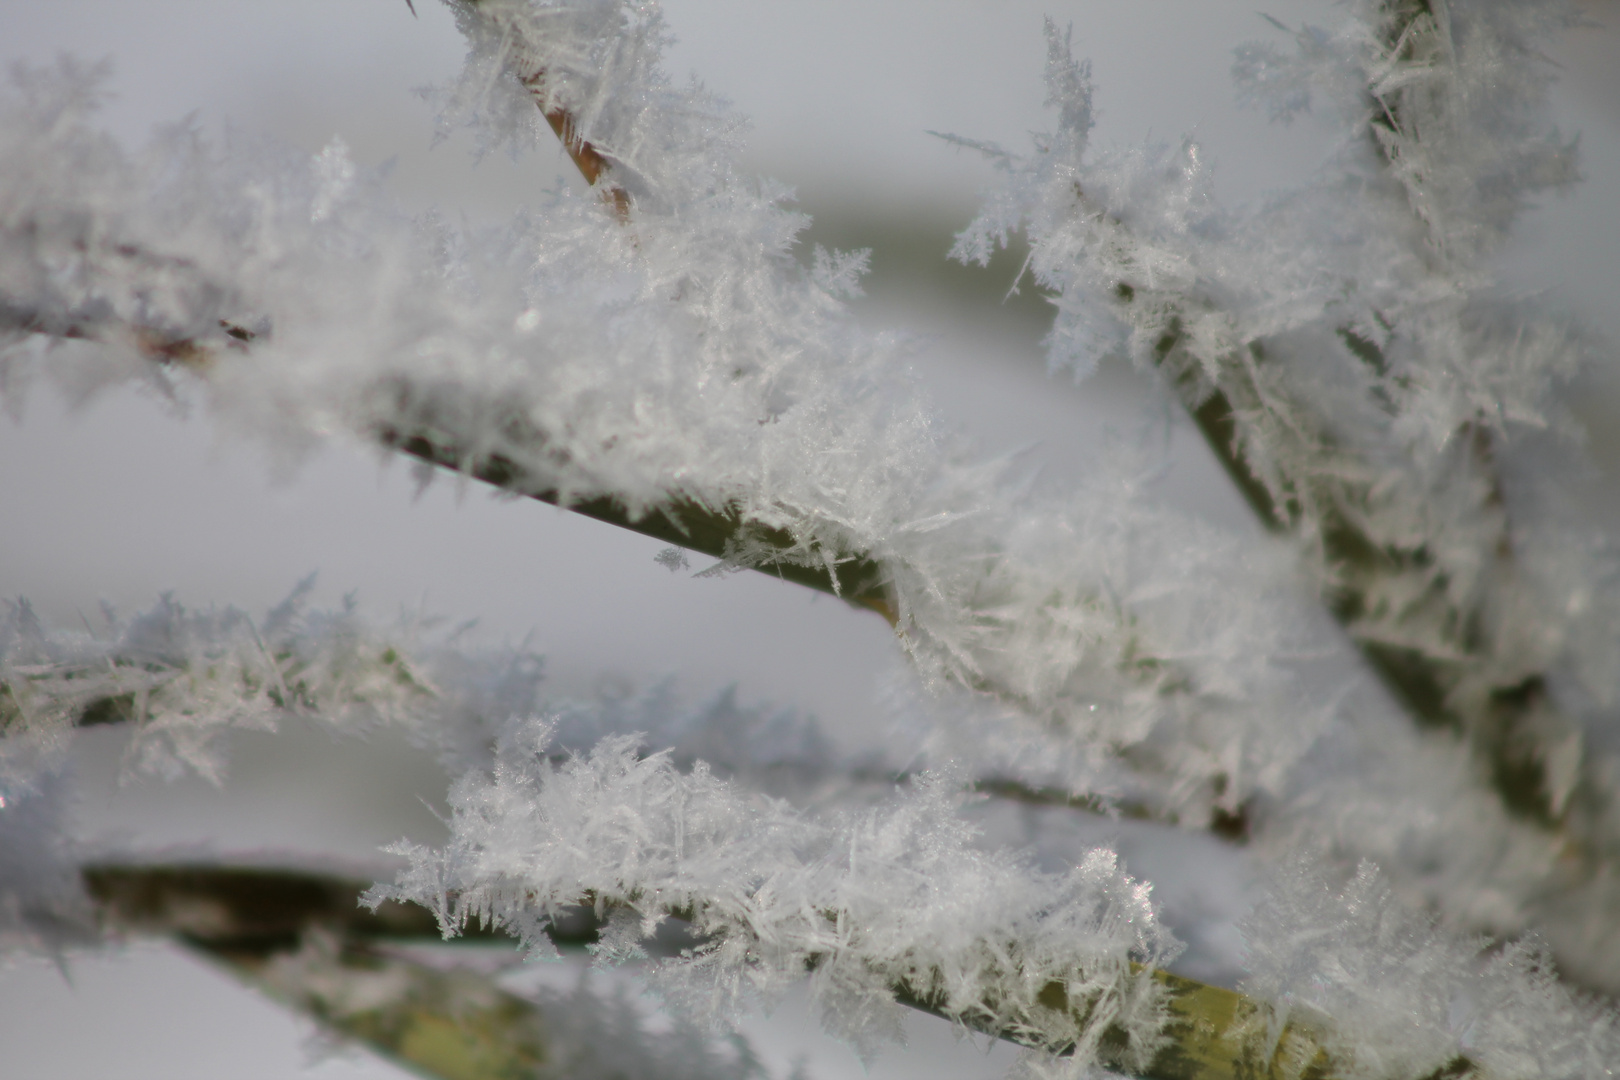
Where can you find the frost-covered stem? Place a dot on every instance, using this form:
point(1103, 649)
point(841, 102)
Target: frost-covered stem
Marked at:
point(303, 939)
point(595, 166)
point(1507, 723)
point(860, 580)
point(306, 939)
point(1513, 722)
point(1212, 1033)
point(1301, 481)
point(590, 162)
point(1506, 711)
point(684, 522)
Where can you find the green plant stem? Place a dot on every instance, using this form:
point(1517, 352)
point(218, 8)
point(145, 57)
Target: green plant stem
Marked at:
point(1464, 683)
point(855, 577)
point(859, 580)
point(719, 532)
point(305, 937)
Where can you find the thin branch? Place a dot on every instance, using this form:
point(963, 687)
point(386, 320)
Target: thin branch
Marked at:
point(592, 165)
point(1328, 498)
point(303, 935)
point(304, 939)
point(860, 581)
point(719, 531)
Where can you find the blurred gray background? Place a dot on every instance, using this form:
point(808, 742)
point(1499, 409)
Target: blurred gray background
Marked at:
point(119, 498)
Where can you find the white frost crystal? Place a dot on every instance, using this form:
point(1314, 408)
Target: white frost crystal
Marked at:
point(668, 349)
point(681, 354)
point(895, 897)
point(1408, 998)
point(181, 680)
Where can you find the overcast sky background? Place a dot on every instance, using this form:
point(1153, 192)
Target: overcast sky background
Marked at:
point(120, 499)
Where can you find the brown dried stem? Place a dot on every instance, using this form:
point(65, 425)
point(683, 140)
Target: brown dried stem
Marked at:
point(595, 168)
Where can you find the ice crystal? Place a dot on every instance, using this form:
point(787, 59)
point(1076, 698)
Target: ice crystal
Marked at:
point(1410, 998)
point(181, 680)
point(657, 344)
point(679, 354)
point(896, 899)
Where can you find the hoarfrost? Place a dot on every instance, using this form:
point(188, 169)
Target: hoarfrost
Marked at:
point(43, 906)
point(1408, 997)
point(686, 357)
point(895, 897)
point(1372, 373)
point(1346, 346)
point(667, 349)
point(182, 680)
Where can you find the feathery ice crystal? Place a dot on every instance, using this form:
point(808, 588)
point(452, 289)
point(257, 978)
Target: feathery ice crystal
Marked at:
point(1347, 351)
point(661, 348)
point(895, 897)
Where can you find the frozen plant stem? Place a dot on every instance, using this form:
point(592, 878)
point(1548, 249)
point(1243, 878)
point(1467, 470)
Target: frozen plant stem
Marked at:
point(857, 577)
point(450, 430)
point(305, 939)
point(683, 522)
point(1443, 646)
point(590, 162)
point(1468, 685)
point(1471, 685)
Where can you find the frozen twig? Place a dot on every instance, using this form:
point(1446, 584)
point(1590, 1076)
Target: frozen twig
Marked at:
point(306, 939)
point(1348, 364)
point(718, 413)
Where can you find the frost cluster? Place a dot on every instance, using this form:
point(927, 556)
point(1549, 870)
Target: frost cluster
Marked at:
point(42, 902)
point(181, 680)
point(678, 355)
point(1408, 998)
point(683, 354)
point(1396, 410)
point(666, 349)
point(895, 897)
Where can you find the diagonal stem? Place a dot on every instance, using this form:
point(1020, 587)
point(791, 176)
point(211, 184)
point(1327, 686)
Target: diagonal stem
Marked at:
point(304, 936)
